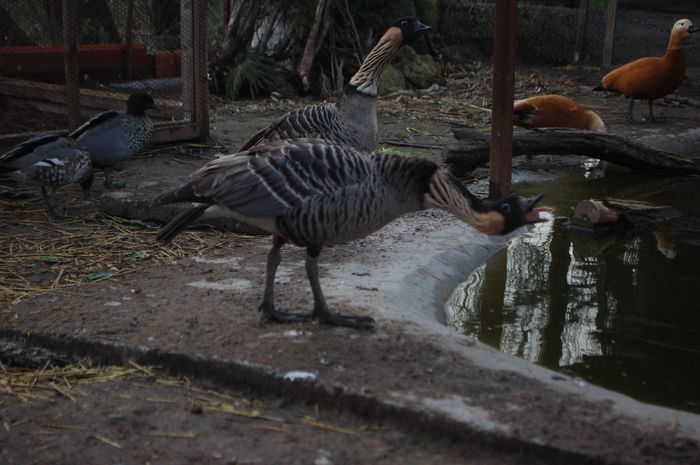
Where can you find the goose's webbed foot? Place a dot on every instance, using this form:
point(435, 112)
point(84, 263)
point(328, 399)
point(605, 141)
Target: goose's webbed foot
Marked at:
point(271, 313)
point(353, 321)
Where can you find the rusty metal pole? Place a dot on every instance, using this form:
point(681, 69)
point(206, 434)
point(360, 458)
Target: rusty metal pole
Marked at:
point(502, 107)
point(70, 44)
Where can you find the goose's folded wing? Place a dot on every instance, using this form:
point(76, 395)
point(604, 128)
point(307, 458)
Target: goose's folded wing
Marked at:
point(314, 121)
point(268, 180)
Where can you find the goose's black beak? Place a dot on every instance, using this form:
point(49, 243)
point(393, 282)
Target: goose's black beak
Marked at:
point(421, 28)
point(532, 214)
point(692, 29)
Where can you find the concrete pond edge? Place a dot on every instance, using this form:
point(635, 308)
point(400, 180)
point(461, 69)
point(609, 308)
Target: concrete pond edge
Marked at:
point(38, 348)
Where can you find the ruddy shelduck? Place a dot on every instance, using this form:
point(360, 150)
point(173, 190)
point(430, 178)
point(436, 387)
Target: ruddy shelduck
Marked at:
point(651, 78)
point(554, 111)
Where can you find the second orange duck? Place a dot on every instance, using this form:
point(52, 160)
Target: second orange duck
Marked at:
point(650, 78)
point(554, 111)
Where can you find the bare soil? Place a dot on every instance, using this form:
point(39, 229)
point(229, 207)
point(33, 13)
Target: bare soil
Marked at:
point(184, 405)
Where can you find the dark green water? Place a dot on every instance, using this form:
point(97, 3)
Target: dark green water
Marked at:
point(620, 312)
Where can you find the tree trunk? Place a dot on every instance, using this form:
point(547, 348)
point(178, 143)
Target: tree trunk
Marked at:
point(237, 36)
point(473, 150)
point(165, 17)
point(317, 35)
point(101, 23)
point(12, 35)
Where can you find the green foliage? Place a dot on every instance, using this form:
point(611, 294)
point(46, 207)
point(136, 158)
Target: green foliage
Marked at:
point(255, 76)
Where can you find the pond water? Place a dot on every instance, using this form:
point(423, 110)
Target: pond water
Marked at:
point(619, 311)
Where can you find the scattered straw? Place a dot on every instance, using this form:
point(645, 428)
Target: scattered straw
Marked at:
point(43, 253)
point(112, 443)
point(27, 384)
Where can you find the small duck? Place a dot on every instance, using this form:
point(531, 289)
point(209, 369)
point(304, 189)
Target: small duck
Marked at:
point(112, 136)
point(51, 161)
point(554, 111)
point(651, 78)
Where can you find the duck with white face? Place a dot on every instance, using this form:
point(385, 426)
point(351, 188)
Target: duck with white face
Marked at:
point(315, 193)
point(651, 78)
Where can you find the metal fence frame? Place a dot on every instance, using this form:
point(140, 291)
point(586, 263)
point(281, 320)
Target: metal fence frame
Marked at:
point(188, 117)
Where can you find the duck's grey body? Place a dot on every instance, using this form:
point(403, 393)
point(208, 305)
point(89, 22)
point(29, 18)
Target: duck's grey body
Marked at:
point(50, 161)
point(112, 136)
point(353, 119)
point(316, 193)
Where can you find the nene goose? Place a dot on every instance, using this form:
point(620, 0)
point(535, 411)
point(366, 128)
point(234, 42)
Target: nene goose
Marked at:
point(315, 193)
point(353, 119)
point(113, 135)
point(51, 161)
point(650, 78)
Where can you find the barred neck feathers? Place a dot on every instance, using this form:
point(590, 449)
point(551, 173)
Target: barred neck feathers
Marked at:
point(447, 193)
point(366, 79)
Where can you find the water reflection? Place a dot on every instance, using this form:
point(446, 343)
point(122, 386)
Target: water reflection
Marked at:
point(619, 311)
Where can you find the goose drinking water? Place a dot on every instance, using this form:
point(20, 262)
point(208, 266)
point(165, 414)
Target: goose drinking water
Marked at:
point(316, 193)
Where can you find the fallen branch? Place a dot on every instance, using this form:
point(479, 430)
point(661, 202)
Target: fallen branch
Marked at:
point(473, 147)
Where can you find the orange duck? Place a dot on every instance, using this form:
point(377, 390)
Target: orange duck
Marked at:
point(650, 78)
point(554, 111)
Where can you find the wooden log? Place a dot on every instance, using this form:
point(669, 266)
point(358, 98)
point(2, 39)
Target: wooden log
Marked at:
point(610, 214)
point(472, 150)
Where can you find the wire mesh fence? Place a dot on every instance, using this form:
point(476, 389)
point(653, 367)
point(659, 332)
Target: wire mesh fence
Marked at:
point(53, 52)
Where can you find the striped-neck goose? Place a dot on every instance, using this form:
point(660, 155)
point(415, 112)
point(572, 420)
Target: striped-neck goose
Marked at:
point(650, 78)
point(113, 135)
point(353, 119)
point(316, 193)
point(554, 111)
point(51, 161)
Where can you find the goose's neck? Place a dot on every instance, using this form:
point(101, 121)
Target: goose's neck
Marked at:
point(366, 79)
point(447, 193)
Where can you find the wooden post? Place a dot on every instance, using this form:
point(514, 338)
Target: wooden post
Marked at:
point(199, 77)
point(70, 43)
point(187, 47)
point(129, 40)
point(609, 33)
point(580, 30)
point(194, 64)
point(502, 107)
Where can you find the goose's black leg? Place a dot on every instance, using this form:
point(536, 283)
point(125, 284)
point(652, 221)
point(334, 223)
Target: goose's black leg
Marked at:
point(321, 310)
point(267, 305)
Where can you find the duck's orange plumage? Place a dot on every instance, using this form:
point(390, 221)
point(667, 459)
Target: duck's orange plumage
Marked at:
point(650, 78)
point(554, 111)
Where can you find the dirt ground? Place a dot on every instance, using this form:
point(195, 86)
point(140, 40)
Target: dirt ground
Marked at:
point(152, 344)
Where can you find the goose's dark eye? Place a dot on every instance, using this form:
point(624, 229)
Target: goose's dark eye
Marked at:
point(404, 23)
point(505, 208)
